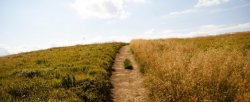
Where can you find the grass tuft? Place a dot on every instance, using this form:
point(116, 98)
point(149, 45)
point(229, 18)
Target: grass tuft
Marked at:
point(68, 81)
point(127, 64)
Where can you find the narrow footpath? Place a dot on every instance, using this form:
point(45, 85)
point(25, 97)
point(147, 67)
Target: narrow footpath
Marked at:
point(127, 84)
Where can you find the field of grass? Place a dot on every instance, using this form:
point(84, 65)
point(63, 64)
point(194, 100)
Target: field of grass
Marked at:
point(76, 73)
point(214, 68)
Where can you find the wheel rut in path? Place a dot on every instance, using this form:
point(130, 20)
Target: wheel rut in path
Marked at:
point(127, 84)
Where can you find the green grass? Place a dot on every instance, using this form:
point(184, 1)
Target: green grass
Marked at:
point(127, 64)
point(75, 73)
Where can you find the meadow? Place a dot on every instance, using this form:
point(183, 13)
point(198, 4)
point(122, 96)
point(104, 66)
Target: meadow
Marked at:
point(202, 69)
point(74, 73)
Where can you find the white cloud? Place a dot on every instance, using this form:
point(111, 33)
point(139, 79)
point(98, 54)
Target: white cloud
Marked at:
point(183, 12)
point(196, 8)
point(200, 31)
point(218, 29)
point(207, 3)
point(161, 33)
point(229, 9)
point(137, 1)
point(103, 9)
point(179, 13)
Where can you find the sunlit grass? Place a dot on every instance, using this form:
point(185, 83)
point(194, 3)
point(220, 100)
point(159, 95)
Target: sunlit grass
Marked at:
point(76, 73)
point(215, 68)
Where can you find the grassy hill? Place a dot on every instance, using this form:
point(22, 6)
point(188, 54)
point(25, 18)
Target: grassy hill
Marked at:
point(76, 73)
point(214, 68)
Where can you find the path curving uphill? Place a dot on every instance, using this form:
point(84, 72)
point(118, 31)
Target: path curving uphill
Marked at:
point(127, 84)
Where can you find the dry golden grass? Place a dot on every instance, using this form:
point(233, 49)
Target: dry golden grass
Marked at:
point(215, 68)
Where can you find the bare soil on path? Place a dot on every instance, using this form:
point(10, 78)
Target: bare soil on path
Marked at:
point(127, 84)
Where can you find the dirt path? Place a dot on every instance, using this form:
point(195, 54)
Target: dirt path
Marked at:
point(128, 84)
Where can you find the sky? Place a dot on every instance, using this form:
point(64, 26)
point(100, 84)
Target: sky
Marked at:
point(27, 25)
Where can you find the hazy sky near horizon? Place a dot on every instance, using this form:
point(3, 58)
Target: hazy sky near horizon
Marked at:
point(27, 25)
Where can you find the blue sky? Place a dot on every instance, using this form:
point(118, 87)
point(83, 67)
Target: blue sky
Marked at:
point(27, 25)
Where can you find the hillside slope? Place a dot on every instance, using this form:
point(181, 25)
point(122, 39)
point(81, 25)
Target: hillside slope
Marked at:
point(214, 68)
point(76, 73)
